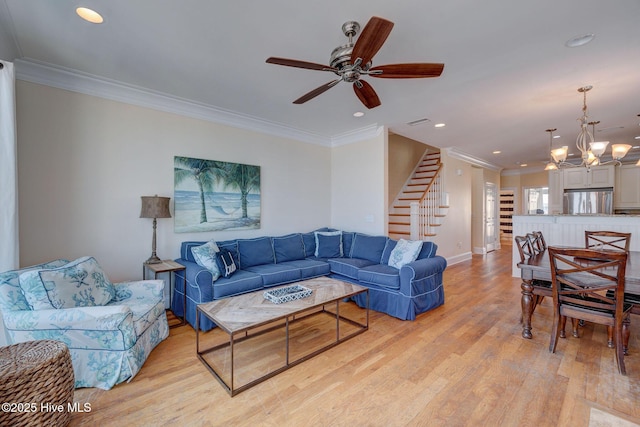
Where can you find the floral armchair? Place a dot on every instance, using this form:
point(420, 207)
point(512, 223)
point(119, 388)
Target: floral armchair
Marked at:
point(110, 328)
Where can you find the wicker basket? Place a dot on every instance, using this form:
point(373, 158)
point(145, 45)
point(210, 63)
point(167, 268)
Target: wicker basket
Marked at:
point(36, 380)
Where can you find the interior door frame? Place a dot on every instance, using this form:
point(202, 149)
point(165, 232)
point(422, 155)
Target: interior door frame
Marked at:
point(495, 244)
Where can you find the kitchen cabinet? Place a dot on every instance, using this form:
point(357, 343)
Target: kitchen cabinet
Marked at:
point(595, 177)
point(556, 190)
point(627, 189)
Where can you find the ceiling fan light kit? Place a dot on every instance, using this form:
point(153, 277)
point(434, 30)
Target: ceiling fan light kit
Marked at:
point(590, 150)
point(351, 61)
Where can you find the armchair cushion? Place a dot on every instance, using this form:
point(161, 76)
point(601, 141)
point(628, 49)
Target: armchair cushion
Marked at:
point(11, 297)
point(80, 283)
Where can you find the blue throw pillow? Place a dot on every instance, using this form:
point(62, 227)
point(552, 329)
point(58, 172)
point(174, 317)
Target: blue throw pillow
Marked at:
point(328, 244)
point(225, 262)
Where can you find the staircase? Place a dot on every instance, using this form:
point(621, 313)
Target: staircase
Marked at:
point(422, 198)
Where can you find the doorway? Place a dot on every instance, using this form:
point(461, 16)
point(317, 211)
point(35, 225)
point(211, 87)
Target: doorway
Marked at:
point(491, 239)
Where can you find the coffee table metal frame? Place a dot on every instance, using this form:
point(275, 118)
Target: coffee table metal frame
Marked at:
point(289, 319)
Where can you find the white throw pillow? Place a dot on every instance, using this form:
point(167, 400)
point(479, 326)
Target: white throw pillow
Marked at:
point(406, 251)
point(205, 256)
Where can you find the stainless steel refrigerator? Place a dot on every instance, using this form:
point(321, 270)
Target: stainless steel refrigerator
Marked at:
point(591, 201)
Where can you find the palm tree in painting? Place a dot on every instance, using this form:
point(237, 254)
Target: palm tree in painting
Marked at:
point(206, 174)
point(243, 177)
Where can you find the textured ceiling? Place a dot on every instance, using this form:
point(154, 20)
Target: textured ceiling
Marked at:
point(508, 75)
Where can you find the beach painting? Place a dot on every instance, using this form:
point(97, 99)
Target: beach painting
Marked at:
point(211, 195)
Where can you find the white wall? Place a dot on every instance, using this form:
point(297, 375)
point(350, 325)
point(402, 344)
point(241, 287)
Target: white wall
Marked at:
point(454, 235)
point(359, 186)
point(84, 162)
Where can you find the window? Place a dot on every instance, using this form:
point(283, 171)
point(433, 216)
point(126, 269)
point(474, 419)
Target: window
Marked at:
point(536, 200)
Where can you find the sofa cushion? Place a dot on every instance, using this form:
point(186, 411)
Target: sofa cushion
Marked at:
point(368, 247)
point(380, 275)
point(11, 296)
point(309, 240)
point(405, 251)
point(288, 248)
point(428, 250)
point(347, 243)
point(386, 253)
point(328, 244)
point(256, 251)
point(275, 274)
point(348, 266)
point(241, 282)
point(205, 256)
point(80, 283)
point(310, 268)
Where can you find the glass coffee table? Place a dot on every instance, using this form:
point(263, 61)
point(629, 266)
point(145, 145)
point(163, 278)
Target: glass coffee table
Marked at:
point(266, 338)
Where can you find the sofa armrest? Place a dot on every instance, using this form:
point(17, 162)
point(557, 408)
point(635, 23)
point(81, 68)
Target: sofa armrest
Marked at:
point(422, 276)
point(198, 277)
point(146, 291)
point(99, 327)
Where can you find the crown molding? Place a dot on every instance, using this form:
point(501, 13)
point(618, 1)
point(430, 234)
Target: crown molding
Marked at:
point(356, 135)
point(461, 155)
point(88, 84)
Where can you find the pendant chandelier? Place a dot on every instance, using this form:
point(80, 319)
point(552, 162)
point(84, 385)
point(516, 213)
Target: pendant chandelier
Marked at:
point(590, 150)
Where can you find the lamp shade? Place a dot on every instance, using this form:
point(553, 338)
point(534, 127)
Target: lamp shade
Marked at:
point(598, 148)
point(618, 151)
point(155, 207)
point(560, 154)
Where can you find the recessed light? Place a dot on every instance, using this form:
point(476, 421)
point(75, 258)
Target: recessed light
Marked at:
point(439, 125)
point(497, 152)
point(358, 114)
point(89, 15)
point(579, 40)
point(523, 165)
point(637, 137)
point(556, 136)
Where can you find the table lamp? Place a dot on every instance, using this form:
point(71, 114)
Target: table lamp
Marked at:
point(154, 207)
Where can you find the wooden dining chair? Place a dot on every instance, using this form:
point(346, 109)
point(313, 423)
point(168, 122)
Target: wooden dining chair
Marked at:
point(617, 241)
point(539, 288)
point(611, 240)
point(538, 244)
point(588, 284)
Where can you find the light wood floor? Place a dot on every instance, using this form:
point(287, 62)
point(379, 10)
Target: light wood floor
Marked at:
point(464, 363)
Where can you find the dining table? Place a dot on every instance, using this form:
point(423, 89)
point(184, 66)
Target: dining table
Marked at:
point(538, 267)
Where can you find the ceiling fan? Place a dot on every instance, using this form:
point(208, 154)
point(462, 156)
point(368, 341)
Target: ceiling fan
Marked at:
point(352, 61)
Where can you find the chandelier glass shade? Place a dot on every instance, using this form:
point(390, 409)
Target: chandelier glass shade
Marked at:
point(590, 150)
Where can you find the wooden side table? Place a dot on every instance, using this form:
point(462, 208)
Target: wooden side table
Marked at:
point(169, 266)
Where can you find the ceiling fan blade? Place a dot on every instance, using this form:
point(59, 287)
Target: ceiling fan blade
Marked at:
point(366, 94)
point(408, 71)
point(299, 64)
point(371, 39)
point(317, 91)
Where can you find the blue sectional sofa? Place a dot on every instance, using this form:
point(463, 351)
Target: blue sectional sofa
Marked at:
point(264, 262)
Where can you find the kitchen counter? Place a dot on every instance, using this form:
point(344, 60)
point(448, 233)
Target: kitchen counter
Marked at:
point(568, 230)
